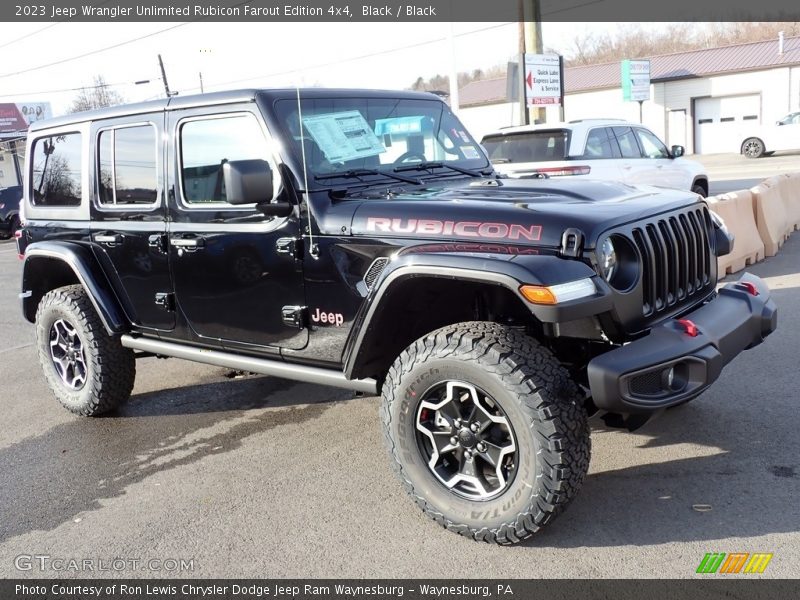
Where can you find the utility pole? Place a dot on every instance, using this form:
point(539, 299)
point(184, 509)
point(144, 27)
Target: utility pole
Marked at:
point(202, 91)
point(530, 40)
point(164, 76)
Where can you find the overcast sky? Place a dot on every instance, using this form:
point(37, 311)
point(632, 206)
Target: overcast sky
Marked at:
point(237, 55)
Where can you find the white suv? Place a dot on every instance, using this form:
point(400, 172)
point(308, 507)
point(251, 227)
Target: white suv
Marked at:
point(597, 148)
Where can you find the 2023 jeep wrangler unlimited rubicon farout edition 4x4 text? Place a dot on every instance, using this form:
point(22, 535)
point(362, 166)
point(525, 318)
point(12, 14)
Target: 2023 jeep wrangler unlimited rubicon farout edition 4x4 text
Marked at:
point(361, 239)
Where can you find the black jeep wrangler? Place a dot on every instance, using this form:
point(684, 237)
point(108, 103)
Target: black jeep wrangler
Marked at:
point(361, 239)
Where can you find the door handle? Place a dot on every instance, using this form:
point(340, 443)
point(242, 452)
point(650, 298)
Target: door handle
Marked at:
point(108, 238)
point(191, 243)
point(627, 167)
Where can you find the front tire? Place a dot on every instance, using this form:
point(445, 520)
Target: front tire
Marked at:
point(89, 371)
point(753, 148)
point(486, 430)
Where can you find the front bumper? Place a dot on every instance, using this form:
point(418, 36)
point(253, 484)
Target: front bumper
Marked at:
point(668, 366)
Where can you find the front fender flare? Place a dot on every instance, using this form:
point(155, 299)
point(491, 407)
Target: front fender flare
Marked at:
point(508, 272)
point(80, 260)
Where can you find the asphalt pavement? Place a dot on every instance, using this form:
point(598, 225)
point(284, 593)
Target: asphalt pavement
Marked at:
point(256, 476)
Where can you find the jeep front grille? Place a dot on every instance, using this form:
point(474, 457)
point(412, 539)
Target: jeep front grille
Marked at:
point(677, 253)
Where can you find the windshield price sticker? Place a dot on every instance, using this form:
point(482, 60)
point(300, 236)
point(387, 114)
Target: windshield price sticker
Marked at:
point(343, 136)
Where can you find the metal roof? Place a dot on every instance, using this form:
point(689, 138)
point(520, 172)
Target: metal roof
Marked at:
point(736, 58)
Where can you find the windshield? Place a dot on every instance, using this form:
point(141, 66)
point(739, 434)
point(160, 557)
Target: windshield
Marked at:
point(530, 146)
point(371, 136)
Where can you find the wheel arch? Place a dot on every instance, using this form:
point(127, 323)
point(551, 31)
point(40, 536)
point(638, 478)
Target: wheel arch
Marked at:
point(50, 265)
point(416, 295)
point(702, 181)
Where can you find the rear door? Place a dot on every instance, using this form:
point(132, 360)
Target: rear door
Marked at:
point(634, 168)
point(235, 270)
point(128, 215)
point(601, 154)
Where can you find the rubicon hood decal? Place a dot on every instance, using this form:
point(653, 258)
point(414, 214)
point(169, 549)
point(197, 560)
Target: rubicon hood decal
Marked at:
point(458, 229)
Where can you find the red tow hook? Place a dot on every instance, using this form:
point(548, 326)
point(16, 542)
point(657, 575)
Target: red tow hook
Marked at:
point(689, 327)
point(750, 288)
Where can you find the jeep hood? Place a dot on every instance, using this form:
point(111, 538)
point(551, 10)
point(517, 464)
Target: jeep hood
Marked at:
point(509, 210)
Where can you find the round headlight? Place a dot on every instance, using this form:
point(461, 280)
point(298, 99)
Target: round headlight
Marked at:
point(608, 259)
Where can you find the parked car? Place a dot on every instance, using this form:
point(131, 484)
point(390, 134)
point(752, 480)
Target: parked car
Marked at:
point(609, 149)
point(9, 211)
point(766, 139)
point(361, 239)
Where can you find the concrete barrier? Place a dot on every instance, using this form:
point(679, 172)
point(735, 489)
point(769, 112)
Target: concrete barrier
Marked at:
point(789, 186)
point(770, 216)
point(736, 209)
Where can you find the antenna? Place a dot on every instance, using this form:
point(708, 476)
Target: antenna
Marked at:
point(313, 251)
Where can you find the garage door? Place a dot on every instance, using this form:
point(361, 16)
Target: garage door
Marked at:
point(720, 122)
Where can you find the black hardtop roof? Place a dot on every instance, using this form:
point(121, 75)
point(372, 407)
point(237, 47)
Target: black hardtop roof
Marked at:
point(227, 97)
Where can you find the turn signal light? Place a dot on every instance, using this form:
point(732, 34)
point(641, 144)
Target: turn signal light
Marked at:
point(538, 294)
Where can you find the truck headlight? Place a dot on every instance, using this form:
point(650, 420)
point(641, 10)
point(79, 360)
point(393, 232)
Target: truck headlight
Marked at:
point(608, 259)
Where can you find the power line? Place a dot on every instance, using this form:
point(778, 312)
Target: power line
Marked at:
point(99, 50)
point(27, 35)
point(355, 58)
point(76, 89)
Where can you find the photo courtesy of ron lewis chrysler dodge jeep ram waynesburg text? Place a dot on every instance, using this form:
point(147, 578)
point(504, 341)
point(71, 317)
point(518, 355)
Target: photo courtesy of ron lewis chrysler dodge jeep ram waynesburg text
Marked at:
point(362, 239)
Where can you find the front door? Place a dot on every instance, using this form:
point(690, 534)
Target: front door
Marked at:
point(236, 271)
point(128, 216)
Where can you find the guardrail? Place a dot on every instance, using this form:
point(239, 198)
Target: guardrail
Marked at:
point(761, 219)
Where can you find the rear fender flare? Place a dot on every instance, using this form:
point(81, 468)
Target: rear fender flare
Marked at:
point(83, 265)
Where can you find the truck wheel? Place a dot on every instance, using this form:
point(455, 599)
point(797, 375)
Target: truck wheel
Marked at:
point(486, 430)
point(753, 148)
point(88, 370)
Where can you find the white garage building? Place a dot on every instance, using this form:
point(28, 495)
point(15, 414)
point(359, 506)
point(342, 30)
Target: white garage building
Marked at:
point(701, 99)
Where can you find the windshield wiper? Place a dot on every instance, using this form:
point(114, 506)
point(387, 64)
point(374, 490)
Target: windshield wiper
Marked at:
point(429, 165)
point(360, 172)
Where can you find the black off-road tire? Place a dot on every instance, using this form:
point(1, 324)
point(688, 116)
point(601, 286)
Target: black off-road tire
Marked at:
point(699, 190)
point(110, 368)
point(544, 406)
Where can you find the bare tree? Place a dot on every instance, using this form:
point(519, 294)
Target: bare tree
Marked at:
point(98, 95)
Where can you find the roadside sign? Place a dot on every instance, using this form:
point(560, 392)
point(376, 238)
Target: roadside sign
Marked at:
point(17, 116)
point(543, 79)
point(636, 80)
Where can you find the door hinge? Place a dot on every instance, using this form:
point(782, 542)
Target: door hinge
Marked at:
point(291, 246)
point(166, 301)
point(294, 316)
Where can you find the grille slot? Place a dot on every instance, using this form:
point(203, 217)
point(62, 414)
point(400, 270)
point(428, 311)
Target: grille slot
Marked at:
point(676, 256)
point(374, 271)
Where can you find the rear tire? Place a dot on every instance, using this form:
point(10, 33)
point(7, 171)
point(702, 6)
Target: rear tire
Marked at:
point(89, 371)
point(538, 422)
point(753, 148)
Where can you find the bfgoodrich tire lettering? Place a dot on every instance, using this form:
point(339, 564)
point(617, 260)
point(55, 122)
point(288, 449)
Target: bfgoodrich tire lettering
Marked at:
point(110, 369)
point(543, 405)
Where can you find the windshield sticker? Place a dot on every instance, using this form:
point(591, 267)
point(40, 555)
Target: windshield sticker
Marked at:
point(470, 152)
point(460, 133)
point(343, 136)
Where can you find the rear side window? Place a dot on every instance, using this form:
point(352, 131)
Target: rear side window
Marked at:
point(56, 174)
point(530, 146)
point(598, 145)
point(207, 143)
point(627, 142)
point(127, 166)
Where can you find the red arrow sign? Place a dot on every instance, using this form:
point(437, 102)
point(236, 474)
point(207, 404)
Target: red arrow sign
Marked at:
point(530, 79)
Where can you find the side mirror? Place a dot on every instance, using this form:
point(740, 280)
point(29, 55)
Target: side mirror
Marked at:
point(247, 181)
point(678, 151)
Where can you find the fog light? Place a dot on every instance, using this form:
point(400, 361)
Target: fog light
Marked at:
point(668, 377)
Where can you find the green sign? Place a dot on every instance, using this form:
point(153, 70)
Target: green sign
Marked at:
point(636, 80)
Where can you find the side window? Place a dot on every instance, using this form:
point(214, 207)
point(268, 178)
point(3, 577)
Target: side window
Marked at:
point(56, 176)
point(598, 145)
point(652, 146)
point(627, 142)
point(127, 166)
point(208, 143)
